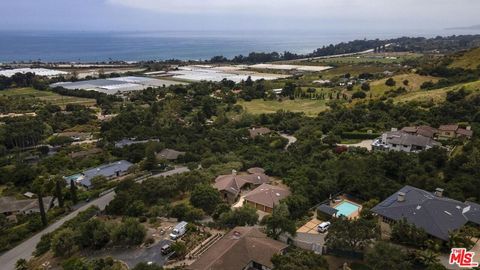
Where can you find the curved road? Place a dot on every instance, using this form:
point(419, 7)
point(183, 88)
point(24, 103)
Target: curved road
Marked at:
point(26, 248)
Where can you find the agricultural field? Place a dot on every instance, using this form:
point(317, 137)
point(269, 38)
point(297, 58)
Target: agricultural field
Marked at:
point(309, 107)
point(376, 58)
point(49, 97)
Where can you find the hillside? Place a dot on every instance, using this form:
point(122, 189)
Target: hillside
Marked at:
point(467, 60)
point(437, 95)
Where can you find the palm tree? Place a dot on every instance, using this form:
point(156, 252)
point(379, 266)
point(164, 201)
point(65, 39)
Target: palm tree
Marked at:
point(39, 189)
point(427, 257)
point(58, 190)
point(21, 264)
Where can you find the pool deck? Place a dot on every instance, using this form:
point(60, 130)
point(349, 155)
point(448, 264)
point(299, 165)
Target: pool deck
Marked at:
point(310, 227)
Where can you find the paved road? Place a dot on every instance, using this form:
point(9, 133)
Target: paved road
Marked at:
point(25, 249)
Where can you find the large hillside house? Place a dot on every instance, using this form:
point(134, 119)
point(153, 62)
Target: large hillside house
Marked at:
point(240, 249)
point(403, 141)
point(231, 185)
point(109, 171)
point(430, 211)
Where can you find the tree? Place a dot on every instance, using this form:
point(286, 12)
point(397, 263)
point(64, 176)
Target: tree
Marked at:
point(59, 182)
point(427, 257)
point(205, 197)
point(405, 82)
point(366, 207)
point(99, 181)
point(38, 187)
point(390, 82)
point(73, 192)
point(289, 89)
point(279, 222)
point(299, 260)
point(386, 256)
point(244, 216)
point(93, 234)
point(365, 86)
point(359, 95)
point(185, 211)
point(63, 243)
point(351, 235)
point(298, 205)
point(21, 264)
point(130, 232)
point(408, 234)
point(463, 237)
point(151, 160)
point(179, 249)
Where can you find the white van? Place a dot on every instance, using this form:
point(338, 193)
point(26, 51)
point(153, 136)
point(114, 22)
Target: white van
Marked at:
point(323, 227)
point(179, 230)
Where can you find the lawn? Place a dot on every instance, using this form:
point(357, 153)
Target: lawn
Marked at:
point(47, 96)
point(309, 107)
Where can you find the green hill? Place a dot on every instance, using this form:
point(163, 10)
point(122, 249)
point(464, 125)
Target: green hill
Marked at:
point(467, 60)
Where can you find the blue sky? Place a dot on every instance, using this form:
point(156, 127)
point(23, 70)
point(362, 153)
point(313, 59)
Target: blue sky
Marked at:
point(151, 15)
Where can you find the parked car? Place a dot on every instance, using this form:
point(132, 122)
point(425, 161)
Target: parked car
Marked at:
point(166, 249)
point(179, 230)
point(323, 227)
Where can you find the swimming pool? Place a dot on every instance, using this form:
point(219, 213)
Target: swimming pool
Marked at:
point(346, 208)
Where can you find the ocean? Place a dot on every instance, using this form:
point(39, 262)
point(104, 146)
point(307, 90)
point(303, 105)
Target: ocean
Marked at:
point(49, 46)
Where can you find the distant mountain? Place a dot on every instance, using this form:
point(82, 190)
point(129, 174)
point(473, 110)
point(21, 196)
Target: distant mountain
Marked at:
point(471, 27)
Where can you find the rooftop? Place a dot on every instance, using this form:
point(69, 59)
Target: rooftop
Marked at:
point(267, 195)
point(233, 182)
point(11, 204)
point(169, 154)
point(237, 249)
point(434, 213)
point(107, 170)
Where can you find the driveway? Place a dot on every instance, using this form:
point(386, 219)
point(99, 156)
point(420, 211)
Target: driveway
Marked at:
point(134, 256)
point(26, 248)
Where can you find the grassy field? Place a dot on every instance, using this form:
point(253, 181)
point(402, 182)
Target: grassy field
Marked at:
point(437, 95)
point(309, 107)
point(378, 88)
point(50, 97)
point(467, 60)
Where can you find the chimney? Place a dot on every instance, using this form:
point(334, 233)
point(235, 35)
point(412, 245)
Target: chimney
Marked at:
point(384, 137)
point(439, 192)
point(234, 172)
point(401, 197)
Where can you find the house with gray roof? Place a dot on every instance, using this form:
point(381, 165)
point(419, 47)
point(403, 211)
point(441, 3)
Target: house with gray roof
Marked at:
point(10, 206)
point(403, 141)
point(109, 171)
point(430, 211)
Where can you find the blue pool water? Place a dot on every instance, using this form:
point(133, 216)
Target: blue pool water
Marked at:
point(73, 177)
point(346, 208)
